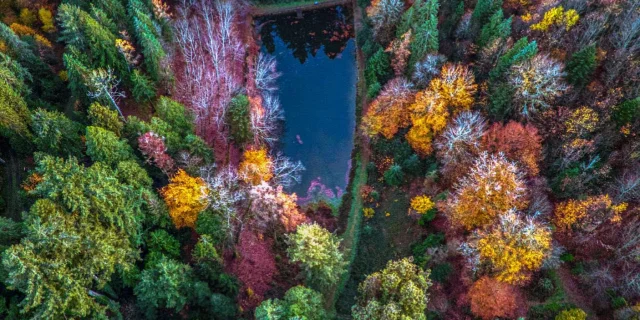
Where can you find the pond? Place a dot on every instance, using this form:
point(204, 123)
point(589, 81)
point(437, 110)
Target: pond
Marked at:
point(316, 59)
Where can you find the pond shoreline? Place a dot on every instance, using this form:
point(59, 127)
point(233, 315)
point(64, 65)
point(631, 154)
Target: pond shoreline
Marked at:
point(265, 10)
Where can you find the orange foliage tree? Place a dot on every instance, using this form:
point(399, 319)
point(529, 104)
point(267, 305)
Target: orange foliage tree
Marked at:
point(446, 96)
point(388, 112)
point(514, 247)
point(587, 214)
point(493, 187)
point(518, 142)
point(186, 197)
point(256, 166)
point(491, 299)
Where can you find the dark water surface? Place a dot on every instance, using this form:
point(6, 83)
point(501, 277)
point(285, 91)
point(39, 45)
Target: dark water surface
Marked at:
point(316, 57)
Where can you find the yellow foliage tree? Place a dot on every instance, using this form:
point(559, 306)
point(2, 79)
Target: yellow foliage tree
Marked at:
point(445, 97)
point(582, 121)
point(588, 214)
point(421, 204)
point(557, 17)
point(256, 166)
point(514, 247)
point(186, 197)
point(388, 112)
point(493, 187)
point(47, 20)
point(455, 86)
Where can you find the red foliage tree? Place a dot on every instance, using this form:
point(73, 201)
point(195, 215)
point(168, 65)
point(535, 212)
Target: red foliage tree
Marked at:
point(152, 147)
point(491, 299)
point(255, 267)
point(518, 142)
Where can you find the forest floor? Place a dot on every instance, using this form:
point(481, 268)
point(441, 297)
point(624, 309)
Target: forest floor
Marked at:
point(301, 5)
point(574, 293)
point(13, 174)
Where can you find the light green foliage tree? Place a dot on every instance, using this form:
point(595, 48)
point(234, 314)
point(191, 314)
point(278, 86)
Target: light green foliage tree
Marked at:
point(14, 74)
point(397, 292)
point(239, 119)
point(175, 114)
point(103, 117)
point(55, 134)
point(299, 303)
point(497, 28)
point(318, 250)
point(581, 66)
point(80, 229)
point(14, 115)
point(141, 87)
point(131, 173)
point(166, 284)
point(105, 146)
point(572, 314)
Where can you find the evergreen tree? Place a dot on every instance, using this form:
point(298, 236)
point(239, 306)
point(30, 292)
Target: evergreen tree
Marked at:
point(581, 66)
point(14, 115)
point(394, 175)
point(141, 87)
point(378, 68)
point(103, 117)
point(88, 35)
point(55, 134)
point(147, 36)
point(498, 27)
point(239, 120)
point(105, 146)
point(522, 50)
point(483, 10)
point(80, 229)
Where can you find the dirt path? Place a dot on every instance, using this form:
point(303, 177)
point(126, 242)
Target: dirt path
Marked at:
point(574, 293)
point(311, 5)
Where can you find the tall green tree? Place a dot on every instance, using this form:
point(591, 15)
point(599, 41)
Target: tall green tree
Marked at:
point(81, 30)
point(239, 119)
point(581, 66)
point(521, 51)
point(497, 28)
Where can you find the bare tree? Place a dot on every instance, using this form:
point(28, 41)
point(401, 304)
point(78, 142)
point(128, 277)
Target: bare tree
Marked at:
point(265, 119)
point(266, 73)
point(103, 85)
point(225, 193)
point(285, 171)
